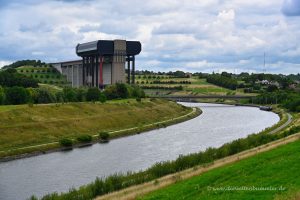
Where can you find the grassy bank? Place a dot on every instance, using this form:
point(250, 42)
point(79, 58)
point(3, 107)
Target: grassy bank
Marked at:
point(24, 125)
point(193, 161)
point(276, 170)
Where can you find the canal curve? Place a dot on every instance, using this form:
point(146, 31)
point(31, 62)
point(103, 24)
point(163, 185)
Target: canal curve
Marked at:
point(60, 171)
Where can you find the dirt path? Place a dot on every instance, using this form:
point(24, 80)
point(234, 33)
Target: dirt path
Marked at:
point(139, 190)
point(290, 119)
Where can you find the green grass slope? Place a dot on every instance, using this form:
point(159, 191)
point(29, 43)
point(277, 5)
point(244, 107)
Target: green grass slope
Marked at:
point(195, 86)
point(24, 125)
point(276, 172)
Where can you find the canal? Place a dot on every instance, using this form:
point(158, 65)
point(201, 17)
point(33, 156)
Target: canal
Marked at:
point(60, 171)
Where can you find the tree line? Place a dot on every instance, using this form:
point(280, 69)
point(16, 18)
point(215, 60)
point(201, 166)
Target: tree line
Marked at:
point(162, 87)
point(20, 95)
point(223, 81)
point(23, 63)
point(171, 82)
point(287, 99)
point(10, 77)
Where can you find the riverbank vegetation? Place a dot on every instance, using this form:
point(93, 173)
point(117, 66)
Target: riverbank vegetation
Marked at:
point(269, 175)
point(287, 99)
point(120, 181)
point(22, 126)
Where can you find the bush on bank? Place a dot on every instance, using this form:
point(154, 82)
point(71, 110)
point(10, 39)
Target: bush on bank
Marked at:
point(84, 138)
point(119, 181)
point(104, 136)
point(66, 142)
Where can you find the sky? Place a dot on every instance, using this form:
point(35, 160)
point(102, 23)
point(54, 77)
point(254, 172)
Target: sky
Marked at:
point(189, 35)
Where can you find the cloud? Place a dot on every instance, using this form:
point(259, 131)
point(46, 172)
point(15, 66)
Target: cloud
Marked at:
point(291, 7)
point(194, 35)
point(4, 62)
point(39, 27)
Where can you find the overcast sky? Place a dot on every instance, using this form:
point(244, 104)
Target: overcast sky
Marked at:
point(189, 35)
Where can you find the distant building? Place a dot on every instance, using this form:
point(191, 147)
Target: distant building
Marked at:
point(103, 63)
point(266, 82)
point(188, 75)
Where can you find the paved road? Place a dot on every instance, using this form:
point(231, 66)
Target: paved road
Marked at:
point(283, 125)
point(208, 97)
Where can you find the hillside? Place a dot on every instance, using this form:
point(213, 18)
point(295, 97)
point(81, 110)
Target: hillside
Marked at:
point(155, 85)
point(40, 71)
point(44, 74)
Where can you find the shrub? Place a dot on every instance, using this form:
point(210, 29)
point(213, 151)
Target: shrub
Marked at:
point(84, 138)
point(45, 96)
point(81, 94)
point(33, 94)
point(122, 90)
point(138, 99)
point(16, 95)
point(2, 95)
point(66, 142)
point(59, 97)
point(104, 135)
point(69, 94)
point(33, 198)
point(136, 91)
point(102, 98)
point(93, 94)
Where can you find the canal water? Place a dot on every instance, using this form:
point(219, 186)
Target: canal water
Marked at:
point(60, 171)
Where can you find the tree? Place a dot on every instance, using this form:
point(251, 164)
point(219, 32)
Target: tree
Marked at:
point(179, 74)
point(272, 88)
point(16, 95)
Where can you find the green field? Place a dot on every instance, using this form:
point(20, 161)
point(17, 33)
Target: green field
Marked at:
point(276, 173)
point(44, 74)
point(25, 125)
point(196, 87)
